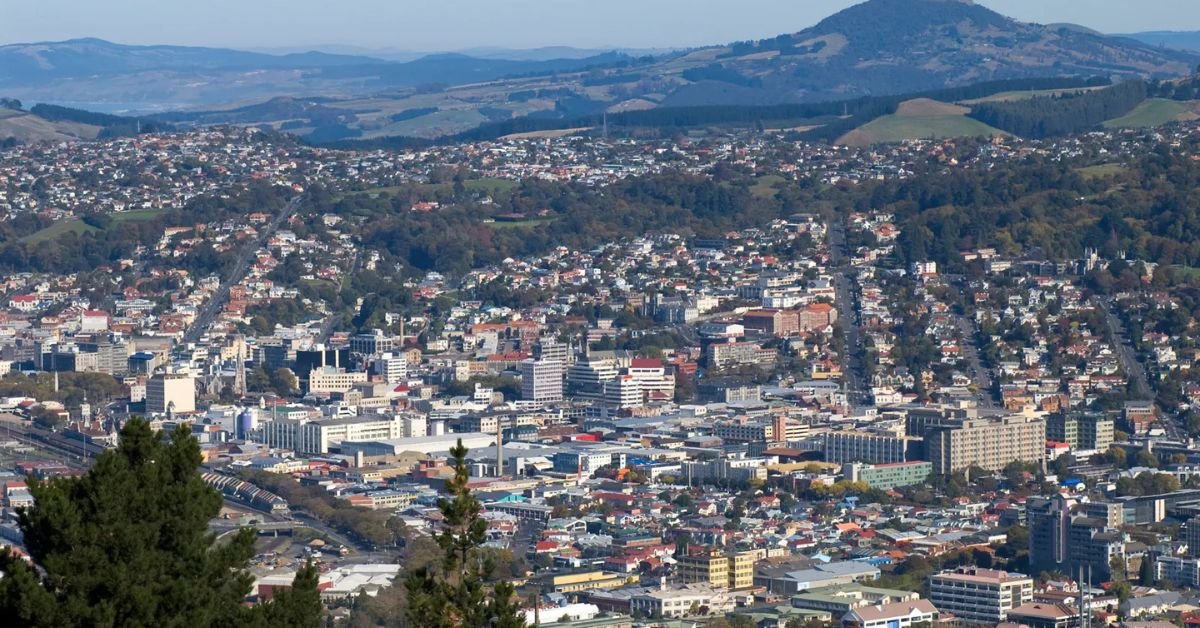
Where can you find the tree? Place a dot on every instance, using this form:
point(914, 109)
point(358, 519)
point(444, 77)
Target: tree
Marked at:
point(127, 544)
point(284, 381)
point(457, 594)
point(1146, 572)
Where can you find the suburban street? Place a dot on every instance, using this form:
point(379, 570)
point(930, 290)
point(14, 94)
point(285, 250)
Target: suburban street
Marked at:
point(200, 326)
point(845, 294)
point(1135, 369)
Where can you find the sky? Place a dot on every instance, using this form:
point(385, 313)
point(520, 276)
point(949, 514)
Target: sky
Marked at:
point(440, 25)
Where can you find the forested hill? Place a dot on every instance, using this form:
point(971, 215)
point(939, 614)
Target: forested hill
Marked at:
point(1054, 209)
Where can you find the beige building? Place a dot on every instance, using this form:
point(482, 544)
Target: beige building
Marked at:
point(987, 443)
point(330, 380)
point(717, 570)
point(979, 595)
point(170, 392)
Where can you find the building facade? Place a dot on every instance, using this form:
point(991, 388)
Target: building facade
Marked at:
point(979, 595)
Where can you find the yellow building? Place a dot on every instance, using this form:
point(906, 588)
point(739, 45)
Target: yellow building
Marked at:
point(711, 568)
point(588, 580)
point(741, 570)
point(721, 571)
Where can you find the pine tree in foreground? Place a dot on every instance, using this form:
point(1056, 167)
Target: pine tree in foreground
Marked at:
point(127, 545)
point(461, 595)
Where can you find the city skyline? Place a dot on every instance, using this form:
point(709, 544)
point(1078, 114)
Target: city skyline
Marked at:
point(396, 26)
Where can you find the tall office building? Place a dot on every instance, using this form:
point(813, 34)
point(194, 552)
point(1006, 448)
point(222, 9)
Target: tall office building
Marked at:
point(541, 380)
point(587, 377)
point(373, 342)
point(1062, 539)
point(392, 367)
point(170, 393)
point(1193, 537)
point(552, 350)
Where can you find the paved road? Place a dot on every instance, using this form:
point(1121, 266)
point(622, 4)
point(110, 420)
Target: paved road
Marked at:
point(245, 257)
point(979, 373)
point(1135, 369)
point(845, 299)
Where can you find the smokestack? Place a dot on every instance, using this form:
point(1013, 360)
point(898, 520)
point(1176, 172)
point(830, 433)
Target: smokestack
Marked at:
point(499, 449)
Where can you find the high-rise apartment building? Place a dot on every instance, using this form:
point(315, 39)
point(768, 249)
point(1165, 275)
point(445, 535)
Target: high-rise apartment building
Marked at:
point(541, 380)
point(1063, 539)
point(989, 444)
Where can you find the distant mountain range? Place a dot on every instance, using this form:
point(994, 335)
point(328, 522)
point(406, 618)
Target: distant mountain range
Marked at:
point(1180, 40)
point(879, 47)
point(102, 75)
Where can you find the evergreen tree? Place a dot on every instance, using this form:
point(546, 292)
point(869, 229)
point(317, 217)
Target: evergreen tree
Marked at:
point(1146, 572)
point(458, 596)
point(127, 544)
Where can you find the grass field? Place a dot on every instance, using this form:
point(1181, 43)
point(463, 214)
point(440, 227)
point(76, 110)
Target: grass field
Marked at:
point(1156, 112)
point(1100, 171)
point(523, 224)
point(1026, 95)
point(898, 128)
point(764, 187)
point(541, 135)
point(78, 227)
point(478, 185)
point(491, 186)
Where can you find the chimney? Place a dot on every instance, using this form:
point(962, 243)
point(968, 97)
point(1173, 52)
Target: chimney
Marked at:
point(499, 449)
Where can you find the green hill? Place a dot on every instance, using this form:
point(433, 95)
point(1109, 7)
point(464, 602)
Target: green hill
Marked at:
point(918, 119)
point(1157, 112)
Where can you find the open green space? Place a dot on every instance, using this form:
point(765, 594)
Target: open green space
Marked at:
point(1156, 112)
point(78, 227)
point(1026, 95)
point(899, 128)
point(522, 224)
point(487, 185)
point(765, 187)
point(1100, 171)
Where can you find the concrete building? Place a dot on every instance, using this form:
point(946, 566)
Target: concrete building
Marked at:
point(623, 392)
point(1090, 433)
point(736, 471)
point(989, 444)
point(673, 603)
point(719, 570)
point(170, 392)
point(373, 342)
point(541, 380)
point(980, 595)
point(479, 444)
point(318, 436)
point(331, 379)
point(888, 476)
point(587, 377)
point(730, 354)
point(1061, 541)
point(392, 367)
point(585, 462)
point(869, 447)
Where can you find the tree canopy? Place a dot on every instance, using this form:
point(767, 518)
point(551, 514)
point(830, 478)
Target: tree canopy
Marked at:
point(127, 544)
point(462, 593)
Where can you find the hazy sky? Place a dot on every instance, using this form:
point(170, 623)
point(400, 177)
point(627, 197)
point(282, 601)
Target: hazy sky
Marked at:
point(456, 24)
